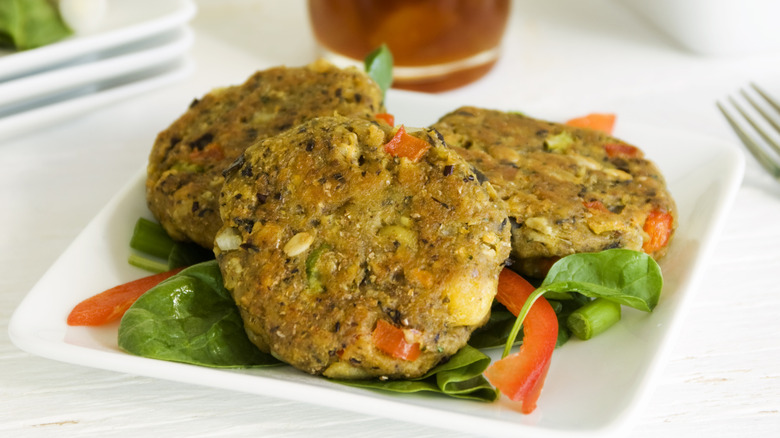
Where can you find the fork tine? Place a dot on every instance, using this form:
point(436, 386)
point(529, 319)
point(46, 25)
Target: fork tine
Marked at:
point(766, 96)
point(767, 118)
point(765, 160)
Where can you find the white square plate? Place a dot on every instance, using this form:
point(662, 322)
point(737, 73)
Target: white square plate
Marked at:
point(125, 22)
point(592, 388)
point(74, 103)
point(36, 90)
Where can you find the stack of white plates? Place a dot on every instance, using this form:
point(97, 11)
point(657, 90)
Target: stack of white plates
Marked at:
point(138, 46)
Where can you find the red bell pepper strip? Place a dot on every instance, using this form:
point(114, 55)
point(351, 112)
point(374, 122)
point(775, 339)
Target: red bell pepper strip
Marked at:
point(389, 118)
point(658, 226)
point(405, 145)
point(112, 304)
point(521, 375)
point(390, 339)
point(603, 122)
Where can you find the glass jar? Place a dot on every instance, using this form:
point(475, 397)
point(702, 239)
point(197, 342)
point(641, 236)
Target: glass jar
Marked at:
point(437, 45)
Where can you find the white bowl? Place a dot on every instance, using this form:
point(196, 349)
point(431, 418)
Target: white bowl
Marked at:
point(715, 27)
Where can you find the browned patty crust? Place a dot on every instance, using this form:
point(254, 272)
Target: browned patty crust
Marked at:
point(187, 159)
point(564, 191)
point(325, 234)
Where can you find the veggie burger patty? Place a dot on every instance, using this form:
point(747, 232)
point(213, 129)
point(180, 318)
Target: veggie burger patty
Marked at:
point(568, 190)
point(329, 240)
point(184, 175)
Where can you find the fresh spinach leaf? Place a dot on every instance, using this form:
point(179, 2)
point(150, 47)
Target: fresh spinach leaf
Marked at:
point(460, 377)
point(496, 331)
point(379, 65)
point(187, 254)
point(563, 332)
point(627, 277)
point(190, 318)
point(27, 24)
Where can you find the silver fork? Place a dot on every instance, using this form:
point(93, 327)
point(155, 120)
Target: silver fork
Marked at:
point(762, 139)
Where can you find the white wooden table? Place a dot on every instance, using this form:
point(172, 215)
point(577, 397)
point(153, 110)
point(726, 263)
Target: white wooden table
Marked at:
point(722, 378)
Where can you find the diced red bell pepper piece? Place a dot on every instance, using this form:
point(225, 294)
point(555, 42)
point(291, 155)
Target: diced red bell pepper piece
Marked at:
point(658, 226)
point(596, 206)
point(389, 118)
point(620, 150)
point(405, 145)
point(391, 340)
point(211, 153)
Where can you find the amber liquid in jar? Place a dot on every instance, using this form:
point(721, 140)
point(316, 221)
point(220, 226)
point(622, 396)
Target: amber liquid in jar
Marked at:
point(437, 45)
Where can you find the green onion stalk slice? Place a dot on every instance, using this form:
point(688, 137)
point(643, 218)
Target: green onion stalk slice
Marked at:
point(593, 318)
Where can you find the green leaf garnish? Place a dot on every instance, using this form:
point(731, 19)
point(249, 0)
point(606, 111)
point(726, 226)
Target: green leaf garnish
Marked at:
point(27, 24)
point(631, 278)
point(379, 65)
point(190, 318)
point(460, 377)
